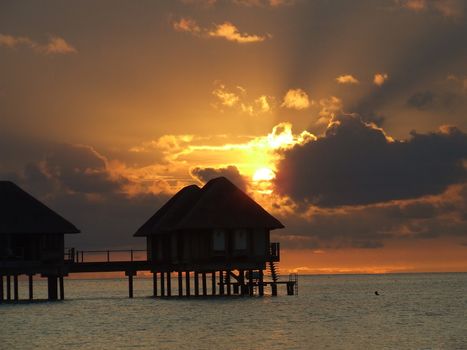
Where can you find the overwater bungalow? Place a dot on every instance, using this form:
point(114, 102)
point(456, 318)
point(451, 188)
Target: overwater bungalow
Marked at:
point(217, 230)
point(31, 242)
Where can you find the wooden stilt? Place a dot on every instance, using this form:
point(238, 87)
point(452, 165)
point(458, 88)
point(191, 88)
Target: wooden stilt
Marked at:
point(180, 282)
point(203, 278)
point(154, 284)
point(241, 281)
point(228, 282)
point(290, 288)
point(213, 283)
point(169, 284)
point(1, 289)
point(274, 289)
point(130, 284)
point(196, 279)
point(30, 283)
point(221, 282)
point(187, 283)
point(15, 287)
point(260, 283)
point(250, 283)
point(8, 287)
point(62, 288)
point(52, 287)
point(162, 284)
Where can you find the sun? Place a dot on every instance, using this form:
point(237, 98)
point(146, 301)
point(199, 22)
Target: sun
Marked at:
point(263, 174)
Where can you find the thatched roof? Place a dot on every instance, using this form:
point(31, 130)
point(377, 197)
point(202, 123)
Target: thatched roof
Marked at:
point(22, 213)
point(219, 204)
point(167, 216)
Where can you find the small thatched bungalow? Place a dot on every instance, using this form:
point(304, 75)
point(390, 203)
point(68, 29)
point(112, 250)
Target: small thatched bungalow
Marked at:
point(214, 228)
point(31, 238)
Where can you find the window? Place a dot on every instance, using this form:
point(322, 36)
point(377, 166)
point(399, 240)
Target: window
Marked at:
point(218, 240)
point(240, 239)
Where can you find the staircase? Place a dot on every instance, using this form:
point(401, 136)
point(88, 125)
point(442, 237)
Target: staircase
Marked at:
point(273, 270)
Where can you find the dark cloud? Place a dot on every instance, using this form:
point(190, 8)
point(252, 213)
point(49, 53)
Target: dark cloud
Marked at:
point(355, 163)
point(428, 100)
point(372, 226)
point(231, 172)
point(75, 181)
point(80, 169)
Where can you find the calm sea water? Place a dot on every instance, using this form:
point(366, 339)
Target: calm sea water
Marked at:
point(413, 311)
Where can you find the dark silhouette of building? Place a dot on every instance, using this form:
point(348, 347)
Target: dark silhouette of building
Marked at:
point(31, 241)
point(217, 229)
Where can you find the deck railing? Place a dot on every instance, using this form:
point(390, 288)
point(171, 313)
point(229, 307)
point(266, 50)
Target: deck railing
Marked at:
point(274, 251)
point(81, 256)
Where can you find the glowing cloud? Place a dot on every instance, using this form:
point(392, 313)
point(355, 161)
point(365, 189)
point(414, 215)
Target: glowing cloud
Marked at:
point(380, 78)
point(237, 98)
point(186, 25)
point(226, 30)
point(347, 79)
point(55, 46)
point(230, 32)
point(226, 98)
point(296, 99)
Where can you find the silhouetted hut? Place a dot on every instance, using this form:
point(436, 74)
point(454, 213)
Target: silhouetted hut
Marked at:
point(214, 228)
point(31, 239)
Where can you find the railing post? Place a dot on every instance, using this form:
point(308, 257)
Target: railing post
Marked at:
point(108, 256)
point(131, 254)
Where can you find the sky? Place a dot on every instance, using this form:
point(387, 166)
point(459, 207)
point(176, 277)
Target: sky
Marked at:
point(347, 120)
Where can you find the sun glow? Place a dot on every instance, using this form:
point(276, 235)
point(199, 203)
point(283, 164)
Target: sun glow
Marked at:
point(263, 174)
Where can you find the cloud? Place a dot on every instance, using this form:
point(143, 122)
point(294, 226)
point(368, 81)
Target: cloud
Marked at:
point(447, 8)
point(237, 98)
point(356, 163)
point(272, 3)
point(230, 32)
point(347, 79)
point(55, 46)
point(296, 99)
point(225, 97)
point(330, 107)
point(380, 78)
point(429, 100)
point(231, 172)
point(226, 30)
point(258, 3)
point(187, 25)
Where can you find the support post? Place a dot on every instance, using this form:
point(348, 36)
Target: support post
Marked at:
point(162, 284)
point(52, 287)
point(1, 289)
point(180, 282)
point(274, 289)
point(250, 283)
point(62, 288)
point(196, 279)
point(30, 283)
point(228, 282)
point(169, 284)
point(15, 287)
point(154, 284)
point(8, 287)
point(221, 282)
point(260, 283)
point(205, 289)
point(187, 283)
point(130, 284)
point(213, 283)
point(290, 288)
point(241, 281)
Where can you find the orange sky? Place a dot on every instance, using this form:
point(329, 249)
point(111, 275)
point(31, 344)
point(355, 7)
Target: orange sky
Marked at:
point(107, 109)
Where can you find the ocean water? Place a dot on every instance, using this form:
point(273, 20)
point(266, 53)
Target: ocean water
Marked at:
point(413, 311)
